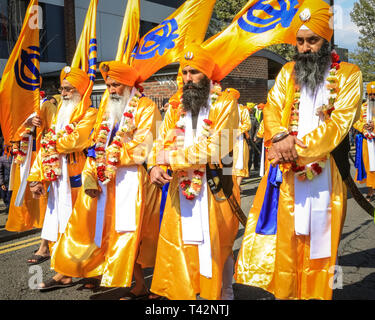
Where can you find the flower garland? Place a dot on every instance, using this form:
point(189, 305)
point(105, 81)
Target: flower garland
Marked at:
point(50, 156)
point(324, 112)
point(108, 159)
point(20, 151)
point(369, 135)
point(191, 188)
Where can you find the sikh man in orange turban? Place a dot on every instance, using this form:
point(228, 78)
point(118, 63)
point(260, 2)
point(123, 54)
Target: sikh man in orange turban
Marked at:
point(113, 230)
point(25, 212)
point(294, 225)
point(197, 231)
point(61, 158)
point(365, 148)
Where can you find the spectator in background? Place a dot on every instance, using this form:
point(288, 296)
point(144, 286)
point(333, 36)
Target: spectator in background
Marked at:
point(5, 164)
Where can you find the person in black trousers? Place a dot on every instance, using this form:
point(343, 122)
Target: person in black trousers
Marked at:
point(5, 165)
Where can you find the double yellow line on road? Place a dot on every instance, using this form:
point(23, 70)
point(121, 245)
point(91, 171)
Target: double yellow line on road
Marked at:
point(19, 245)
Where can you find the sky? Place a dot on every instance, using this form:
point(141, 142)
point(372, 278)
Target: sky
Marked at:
point(346, 32)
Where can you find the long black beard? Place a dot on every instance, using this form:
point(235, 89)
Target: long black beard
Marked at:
point(310, 68)
point(195, 95)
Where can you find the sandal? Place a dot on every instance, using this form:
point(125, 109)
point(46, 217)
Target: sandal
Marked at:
point(131, 296)
point(37, 259)
point(53, 284)
point(90, 284)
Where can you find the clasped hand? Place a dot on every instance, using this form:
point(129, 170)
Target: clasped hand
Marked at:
point(284, 151)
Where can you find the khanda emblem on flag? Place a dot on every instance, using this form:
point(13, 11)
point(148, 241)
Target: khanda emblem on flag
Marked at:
point(93, 49)
point(264, 16)
point(26, 69)
point(158, 40)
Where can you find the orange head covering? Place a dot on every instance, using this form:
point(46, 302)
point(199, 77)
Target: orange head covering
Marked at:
point(371, 87)
point(236, 94)
point(198, 58)
point(76, 77)
point(316, 15)
point(120, 72)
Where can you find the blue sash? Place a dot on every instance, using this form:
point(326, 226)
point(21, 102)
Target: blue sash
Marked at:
point(358, 164)
point(267, 221)
point(164, 194)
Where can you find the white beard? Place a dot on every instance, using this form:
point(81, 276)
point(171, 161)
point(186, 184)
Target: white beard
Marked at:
point(115, 107)
point(66, 110)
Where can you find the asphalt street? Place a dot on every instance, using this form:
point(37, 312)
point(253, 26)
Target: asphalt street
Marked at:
point(356, 261)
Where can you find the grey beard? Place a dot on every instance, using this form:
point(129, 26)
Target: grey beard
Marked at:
point(310, 68)
point(195, 95)
point(116, 105)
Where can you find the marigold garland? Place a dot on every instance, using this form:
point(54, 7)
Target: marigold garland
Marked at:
point(50, 156)
point(20, 151)
point(107, 159)
point(324, 112)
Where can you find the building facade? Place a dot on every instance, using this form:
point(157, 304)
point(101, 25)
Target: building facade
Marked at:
point(62, 22)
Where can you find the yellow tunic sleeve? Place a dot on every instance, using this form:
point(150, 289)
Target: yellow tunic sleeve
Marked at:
point(36, 169)
point(164, 133)
point(89, 176)
point(358, 125)
point(329, 135)
point(78, 140)
point(136, 151)
point(245, 120)
point(276, 102)
point(225, 118)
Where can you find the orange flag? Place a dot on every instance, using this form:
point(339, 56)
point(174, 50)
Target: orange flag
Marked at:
point(259, 24)
point(20, 83)
point(164, 43)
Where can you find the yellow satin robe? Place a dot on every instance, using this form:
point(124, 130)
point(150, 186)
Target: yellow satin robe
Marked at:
point(71, 145)
point(31, 213)
point(245, 126)
point(76, 253)
point(176, 273)
point(280, 263)
point(370, 179)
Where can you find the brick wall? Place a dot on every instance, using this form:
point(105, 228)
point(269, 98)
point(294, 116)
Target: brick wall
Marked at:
point(249, 78)
point(70, 30)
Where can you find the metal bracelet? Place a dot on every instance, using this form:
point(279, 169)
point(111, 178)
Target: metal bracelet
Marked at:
point(279, 136)
point(33, 183)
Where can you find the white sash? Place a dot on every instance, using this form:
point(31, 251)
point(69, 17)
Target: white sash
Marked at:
point(312, 199)
point(24, 174)
point(59, 205)
point(371, 143)
point(194, 213)
point(261, 170)
point(239, 162)
point(127, 184)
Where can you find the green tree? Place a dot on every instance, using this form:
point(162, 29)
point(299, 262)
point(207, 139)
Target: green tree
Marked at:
point(223, 14)
point(363, 15)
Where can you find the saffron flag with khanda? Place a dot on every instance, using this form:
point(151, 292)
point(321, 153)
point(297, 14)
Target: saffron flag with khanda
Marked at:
point(20, 82)
point(129, 36)
point(164, 43)
point(85, 57)
point(128, 40)
point(259, 24)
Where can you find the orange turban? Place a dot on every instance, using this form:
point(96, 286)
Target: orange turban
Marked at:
point(371, 87)
point(236, 94)
point(316, 15)
point(78, 78)
point(198, 58)
point(120, 72)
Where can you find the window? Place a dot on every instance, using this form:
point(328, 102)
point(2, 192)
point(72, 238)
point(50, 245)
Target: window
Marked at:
point(169, 3)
